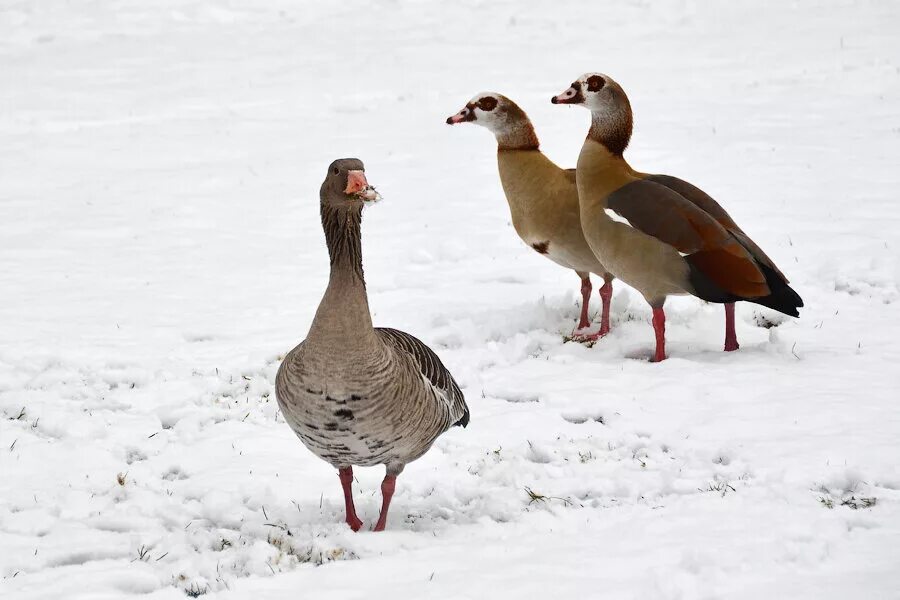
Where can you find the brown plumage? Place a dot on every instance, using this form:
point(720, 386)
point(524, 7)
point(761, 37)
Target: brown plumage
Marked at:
point(542, 197)
point(667, 216)
point(659, 234)
point(355, 394)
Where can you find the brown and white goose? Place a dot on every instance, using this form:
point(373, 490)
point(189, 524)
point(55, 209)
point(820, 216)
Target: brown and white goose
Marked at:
point(355, 394)
point(542, 197)
point(657, 233)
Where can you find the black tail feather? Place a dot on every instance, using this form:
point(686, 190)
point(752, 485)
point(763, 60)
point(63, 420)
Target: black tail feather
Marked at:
point(782, 298)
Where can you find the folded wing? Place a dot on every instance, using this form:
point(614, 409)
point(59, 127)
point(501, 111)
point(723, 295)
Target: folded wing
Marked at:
point(706, 245)
point(432, 369)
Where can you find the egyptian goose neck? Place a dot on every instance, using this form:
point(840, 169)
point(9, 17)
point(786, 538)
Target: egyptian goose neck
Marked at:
point(611, 126)
point(519, 134)
point(600, 172)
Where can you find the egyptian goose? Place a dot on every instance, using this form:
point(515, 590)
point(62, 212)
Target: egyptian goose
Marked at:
point(542, 197)
point(657, 233)
point(354, 394)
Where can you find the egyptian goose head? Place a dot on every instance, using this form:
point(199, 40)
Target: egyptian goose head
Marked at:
point(502, 117)
point(612, 120)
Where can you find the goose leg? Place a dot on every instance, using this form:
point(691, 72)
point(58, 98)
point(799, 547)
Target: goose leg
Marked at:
point(606, 297)
point(585, 320)
point(586, 288)
point(387, 491)
point(346, 475)
point(659, 327)
point(731, 342)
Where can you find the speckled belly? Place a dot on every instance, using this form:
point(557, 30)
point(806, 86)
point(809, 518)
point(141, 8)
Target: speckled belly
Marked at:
point(337, 429)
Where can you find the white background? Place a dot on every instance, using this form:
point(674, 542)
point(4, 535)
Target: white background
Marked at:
point(160, 249)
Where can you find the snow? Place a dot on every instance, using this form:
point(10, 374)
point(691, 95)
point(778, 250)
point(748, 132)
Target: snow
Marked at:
point(161, 250)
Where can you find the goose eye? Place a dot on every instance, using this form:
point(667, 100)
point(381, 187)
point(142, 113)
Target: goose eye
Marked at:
point(595, 83)
point(335, 170)
point(487, 104)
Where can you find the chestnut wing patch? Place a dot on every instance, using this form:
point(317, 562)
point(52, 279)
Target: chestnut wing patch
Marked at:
point(666, 215)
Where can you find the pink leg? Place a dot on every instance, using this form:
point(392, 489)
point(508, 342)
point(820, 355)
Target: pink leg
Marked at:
point(731, 342)
point(346, 475)
point(659, 327)
point(586, 288)
point(606, 297)
point(387, 491)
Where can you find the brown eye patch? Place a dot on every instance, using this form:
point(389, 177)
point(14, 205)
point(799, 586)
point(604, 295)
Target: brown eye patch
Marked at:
point(487, 104)
point(595, 83)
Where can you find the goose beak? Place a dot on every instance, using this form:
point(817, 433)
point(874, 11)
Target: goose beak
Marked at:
point(570, 96)
point(359, 187)
point(462, 116)
point(356, 181)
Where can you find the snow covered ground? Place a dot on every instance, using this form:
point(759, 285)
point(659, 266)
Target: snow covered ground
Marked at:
point(161, 249)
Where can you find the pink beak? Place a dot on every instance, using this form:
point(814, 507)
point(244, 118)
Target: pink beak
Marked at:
point(566, 97)
point(463, 116)
point(359, 187)
point(356, 182)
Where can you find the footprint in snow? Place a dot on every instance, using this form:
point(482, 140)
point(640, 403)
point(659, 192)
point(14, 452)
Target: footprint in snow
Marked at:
point(581, 418)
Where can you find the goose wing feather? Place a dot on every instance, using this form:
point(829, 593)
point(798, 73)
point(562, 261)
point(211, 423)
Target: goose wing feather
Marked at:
point(432, 369)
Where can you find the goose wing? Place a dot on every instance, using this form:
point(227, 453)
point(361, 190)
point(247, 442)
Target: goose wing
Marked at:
point(705, 202)
point(663, 213)
point(432, 369)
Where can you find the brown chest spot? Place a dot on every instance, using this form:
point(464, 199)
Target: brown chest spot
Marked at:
point(541, 247)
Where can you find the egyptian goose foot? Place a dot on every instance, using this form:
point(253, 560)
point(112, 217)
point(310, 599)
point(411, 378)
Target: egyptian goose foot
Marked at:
point(346, 476)
point(731, 343)
point(606, 297)
point(387, 491)
point(659, 328)
point(585, 322)
point(587, 338)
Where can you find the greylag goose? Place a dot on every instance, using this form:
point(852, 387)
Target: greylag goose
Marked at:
point(657, 233)
point(542, 197)
point(355, 394)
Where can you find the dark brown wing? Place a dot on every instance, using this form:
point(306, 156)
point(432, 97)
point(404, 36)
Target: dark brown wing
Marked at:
point(432, 368)
point(706, 203)
point(698, 197)
point(666, 215)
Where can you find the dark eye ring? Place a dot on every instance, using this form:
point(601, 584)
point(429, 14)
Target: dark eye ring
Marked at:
point(335, 171)
point(487, 104)
point(595, 83)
